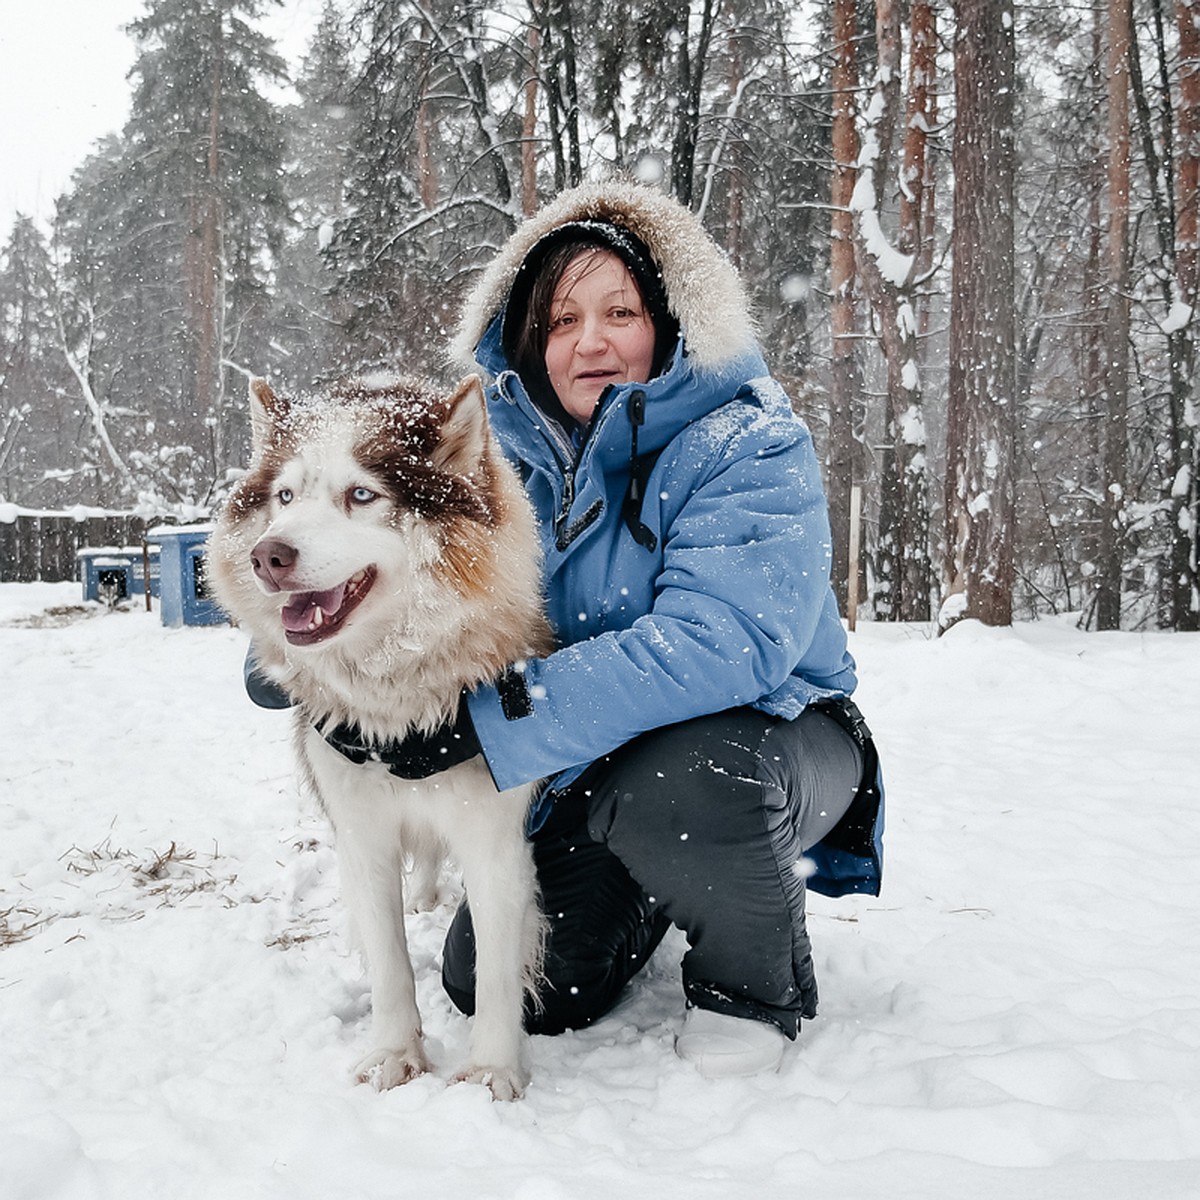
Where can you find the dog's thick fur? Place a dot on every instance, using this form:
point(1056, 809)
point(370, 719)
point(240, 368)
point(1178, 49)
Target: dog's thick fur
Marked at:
point(382, 555)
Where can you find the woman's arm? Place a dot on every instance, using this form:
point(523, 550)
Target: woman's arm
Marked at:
point(742, 589)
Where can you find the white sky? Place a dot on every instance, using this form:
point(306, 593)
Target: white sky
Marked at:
point(63, 67)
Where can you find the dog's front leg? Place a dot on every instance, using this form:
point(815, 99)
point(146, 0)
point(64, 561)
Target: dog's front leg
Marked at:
point(371, 867)
point(502, 888)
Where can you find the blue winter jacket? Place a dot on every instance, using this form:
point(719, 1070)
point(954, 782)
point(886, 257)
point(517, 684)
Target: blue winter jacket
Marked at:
point(721, 599)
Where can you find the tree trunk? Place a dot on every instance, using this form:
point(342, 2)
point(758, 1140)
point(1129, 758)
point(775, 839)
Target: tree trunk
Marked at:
point(1187, 237)
point(1186, 489)
point(1091, 344)
point(209, 269)
point(690, 73)
point(904, 570)
point(845, 397)
point(920, 119)
point(529, 199)
point(571, 94)
point(884, 294)
point(736, 199)
point(554, 22)
point(427, 175)
point(916, 567)
point(981, 419)
point(1116, 325)
point(1173, 451)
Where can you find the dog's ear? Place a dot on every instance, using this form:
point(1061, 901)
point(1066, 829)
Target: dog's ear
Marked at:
point(266, 411)
point(464, 439)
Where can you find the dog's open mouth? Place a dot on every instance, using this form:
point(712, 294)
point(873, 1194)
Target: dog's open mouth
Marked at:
point(310, 617)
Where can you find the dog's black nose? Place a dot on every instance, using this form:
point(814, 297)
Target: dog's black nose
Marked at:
point(273, 561)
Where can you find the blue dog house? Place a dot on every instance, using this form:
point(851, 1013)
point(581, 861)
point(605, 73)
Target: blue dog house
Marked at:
point(186, 599)
point(115, 573)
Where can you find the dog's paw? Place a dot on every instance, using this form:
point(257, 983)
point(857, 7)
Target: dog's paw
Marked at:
point(423, 890)
point(426, 898)
point(505, 1083)
point(387, 1068)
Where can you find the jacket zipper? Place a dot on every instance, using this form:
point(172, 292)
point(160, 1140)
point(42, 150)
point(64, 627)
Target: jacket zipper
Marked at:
point(565, 533)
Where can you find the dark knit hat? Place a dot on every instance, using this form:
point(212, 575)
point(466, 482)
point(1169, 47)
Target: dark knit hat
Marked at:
point(628, 247)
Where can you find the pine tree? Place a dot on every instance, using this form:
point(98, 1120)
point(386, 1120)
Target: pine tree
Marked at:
point(39, 460)
point(311, 323)
point(118, 321)
point(440, 84)
point(211, 147)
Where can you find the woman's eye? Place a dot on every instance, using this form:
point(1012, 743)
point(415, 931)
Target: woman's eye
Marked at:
point(363, 495)
point(285, 495)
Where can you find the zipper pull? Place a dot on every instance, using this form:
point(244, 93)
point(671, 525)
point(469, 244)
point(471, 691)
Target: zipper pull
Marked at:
point(568, 498)
point(637, 417)
point(637, 407)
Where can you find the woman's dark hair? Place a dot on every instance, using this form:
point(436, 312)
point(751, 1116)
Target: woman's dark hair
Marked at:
point(533, 329)
point(527, 314)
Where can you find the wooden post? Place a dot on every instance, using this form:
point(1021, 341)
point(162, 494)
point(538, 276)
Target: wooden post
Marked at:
point(146, 571)
point(852, 557)
point(9, 542)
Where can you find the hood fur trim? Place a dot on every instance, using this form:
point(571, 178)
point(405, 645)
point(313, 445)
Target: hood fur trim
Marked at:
point(704, 290)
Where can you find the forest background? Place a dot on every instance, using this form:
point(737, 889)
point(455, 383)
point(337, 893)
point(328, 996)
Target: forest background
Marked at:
point(969, 230)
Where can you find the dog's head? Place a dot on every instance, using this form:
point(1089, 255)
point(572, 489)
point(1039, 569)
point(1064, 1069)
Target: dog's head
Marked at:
point(367, 514)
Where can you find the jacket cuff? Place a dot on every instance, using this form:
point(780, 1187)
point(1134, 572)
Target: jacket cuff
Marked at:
point(497, 712)
point(264, 691)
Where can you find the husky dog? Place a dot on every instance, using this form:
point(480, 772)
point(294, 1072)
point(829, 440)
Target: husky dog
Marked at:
point(383, 557)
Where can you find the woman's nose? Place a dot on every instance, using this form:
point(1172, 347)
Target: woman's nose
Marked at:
point(591, 337)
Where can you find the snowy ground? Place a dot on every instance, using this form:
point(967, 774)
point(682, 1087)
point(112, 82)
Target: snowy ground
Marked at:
point(1017, 1016)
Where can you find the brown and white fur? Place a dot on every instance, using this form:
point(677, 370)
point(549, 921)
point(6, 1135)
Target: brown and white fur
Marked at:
point(382, 555)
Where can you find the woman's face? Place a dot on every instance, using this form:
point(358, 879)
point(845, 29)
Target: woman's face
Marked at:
point(600, 332)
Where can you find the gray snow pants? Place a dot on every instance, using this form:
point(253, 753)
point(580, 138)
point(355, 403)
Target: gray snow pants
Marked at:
point(701, 825)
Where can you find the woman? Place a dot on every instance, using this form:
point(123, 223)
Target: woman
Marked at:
point(700, 761)
point(704, 762)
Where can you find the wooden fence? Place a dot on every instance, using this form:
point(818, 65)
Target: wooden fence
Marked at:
point(41, 545)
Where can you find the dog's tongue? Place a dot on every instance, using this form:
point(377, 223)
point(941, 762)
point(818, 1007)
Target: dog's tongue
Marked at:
point(299, 611)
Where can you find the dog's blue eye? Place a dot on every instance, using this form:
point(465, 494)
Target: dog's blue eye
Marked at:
point(362, 495)
point(285, 495)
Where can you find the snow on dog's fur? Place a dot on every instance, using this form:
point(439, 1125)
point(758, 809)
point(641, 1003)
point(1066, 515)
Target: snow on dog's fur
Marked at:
point(382, 556)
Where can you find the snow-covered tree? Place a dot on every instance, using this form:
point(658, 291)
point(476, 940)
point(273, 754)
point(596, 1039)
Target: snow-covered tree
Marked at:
point(34, 412)
point(310, 321)
point(893, 267)
point(434, 178)
point(209, 150)
point(981, 423)
point(1184, 320)
point(843, 457)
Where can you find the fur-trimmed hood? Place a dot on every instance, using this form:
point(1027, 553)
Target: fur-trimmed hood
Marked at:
point(704, 291)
